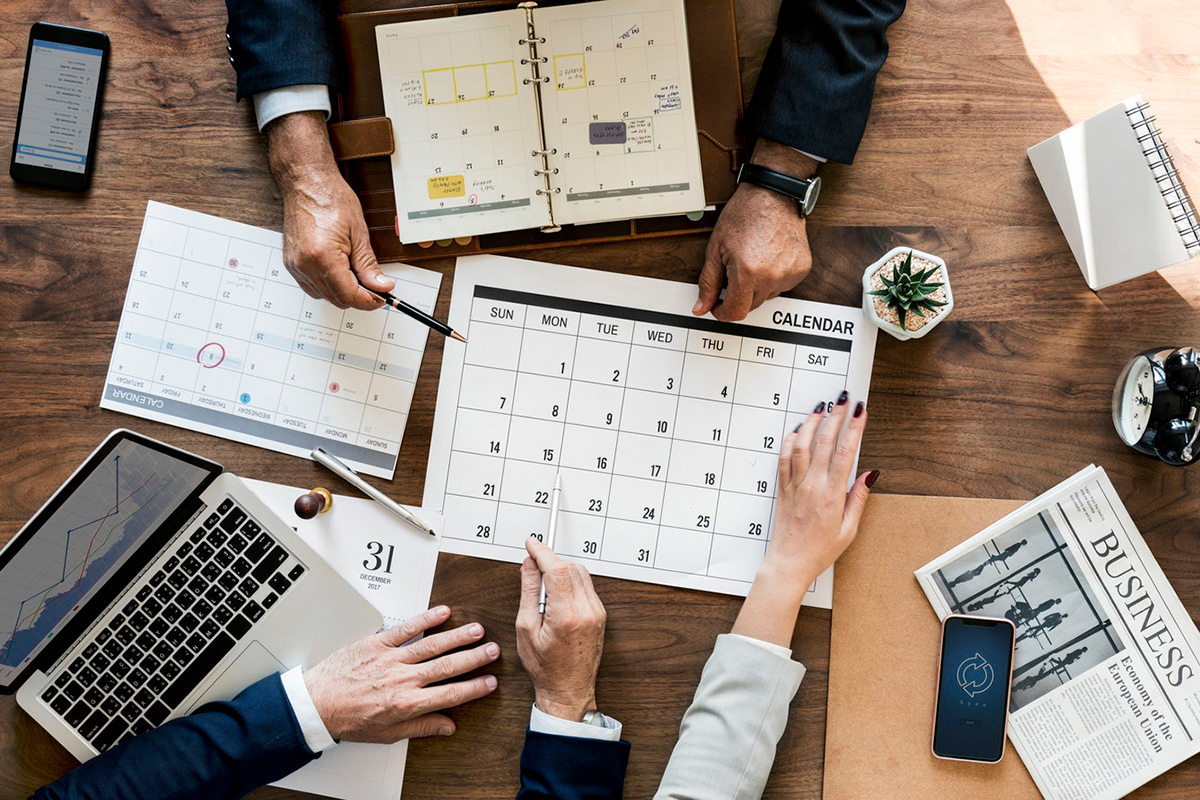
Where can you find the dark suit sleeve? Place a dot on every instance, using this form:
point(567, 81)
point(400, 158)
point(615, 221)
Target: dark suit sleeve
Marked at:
point(814, 92)
point(275, 43)
point(570, 768)
point(222, 750)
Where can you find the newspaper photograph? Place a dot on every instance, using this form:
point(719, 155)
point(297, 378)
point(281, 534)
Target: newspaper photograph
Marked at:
point(1106, 677)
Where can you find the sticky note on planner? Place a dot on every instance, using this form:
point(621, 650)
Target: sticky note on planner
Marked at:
point(606, 132)
point(446, 186)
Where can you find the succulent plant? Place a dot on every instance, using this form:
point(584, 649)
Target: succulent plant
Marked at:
point(907, 291)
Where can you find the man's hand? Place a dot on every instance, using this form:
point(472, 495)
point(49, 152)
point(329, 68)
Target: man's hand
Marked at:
point(378, 690)
point(325, 241)
point(760, 243)
point(560, 650)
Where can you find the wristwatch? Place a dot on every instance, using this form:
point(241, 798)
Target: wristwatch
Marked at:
point(803, 190)
point(594, 717)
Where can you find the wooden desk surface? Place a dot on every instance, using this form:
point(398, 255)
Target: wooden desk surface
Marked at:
point(1008, 396)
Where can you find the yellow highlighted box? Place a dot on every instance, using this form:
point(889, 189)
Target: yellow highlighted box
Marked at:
point(442, 186)
point(570, 72)
point(468, 82)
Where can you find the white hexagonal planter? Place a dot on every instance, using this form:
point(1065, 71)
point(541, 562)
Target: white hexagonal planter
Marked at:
point(876, 307)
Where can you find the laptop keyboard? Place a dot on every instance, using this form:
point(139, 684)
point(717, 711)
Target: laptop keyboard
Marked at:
point(183, 619)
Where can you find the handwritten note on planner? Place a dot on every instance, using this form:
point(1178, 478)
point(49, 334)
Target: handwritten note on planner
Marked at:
point(216, 337)
point(665, 427)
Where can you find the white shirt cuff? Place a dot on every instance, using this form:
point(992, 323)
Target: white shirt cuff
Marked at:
point(316, 735)
point(542, 722)
point(274, 103)
point(778, 650)
point(820, 159)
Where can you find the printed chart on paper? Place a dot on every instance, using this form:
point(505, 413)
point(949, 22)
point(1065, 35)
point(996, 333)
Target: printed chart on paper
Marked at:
point(665, 427)
point(217, 337)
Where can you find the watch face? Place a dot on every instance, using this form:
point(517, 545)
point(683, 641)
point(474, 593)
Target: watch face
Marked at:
point(810, 197)
point(1133, 397)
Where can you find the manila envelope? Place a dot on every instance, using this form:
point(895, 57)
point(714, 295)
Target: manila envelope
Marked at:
point(883, 655)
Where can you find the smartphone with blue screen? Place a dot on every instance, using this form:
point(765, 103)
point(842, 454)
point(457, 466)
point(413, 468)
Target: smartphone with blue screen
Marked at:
point(970, 718)
point(59, 112)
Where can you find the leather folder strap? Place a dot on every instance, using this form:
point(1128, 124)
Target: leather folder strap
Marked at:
point(361, 138)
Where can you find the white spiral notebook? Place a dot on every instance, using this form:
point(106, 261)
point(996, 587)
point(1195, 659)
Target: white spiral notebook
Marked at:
point(1117, 196)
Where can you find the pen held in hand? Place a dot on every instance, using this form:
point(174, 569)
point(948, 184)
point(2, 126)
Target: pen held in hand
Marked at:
point(550, 536)
point(417, 314)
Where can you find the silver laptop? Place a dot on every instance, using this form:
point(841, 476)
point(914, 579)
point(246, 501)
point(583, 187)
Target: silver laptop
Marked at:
point(151, 583)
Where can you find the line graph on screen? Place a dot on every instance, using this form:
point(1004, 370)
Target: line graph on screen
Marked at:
point(84, 540)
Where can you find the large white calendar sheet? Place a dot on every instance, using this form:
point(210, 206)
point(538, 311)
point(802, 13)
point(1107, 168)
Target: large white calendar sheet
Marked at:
point(664, 427)
point(215, 336)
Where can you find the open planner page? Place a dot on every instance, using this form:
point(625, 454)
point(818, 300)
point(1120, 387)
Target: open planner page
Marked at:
point(465, 126)
point(618, 110)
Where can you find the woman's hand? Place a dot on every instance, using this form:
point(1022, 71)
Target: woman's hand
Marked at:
point(815, 518)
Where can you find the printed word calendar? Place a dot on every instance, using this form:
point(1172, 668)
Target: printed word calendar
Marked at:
point(664, 427)
point(539, 117)
point(217, 337)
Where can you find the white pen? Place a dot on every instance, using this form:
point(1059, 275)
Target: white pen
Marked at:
point(550, 536)
point(344, 472)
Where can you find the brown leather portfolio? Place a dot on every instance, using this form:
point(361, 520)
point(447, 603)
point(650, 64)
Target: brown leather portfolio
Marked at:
point(363, 140)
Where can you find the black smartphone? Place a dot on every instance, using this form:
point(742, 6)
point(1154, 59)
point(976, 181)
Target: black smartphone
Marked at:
point(970, 717)
point(59, 113)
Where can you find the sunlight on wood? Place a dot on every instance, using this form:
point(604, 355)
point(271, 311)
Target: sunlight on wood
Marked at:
point(1092, 55)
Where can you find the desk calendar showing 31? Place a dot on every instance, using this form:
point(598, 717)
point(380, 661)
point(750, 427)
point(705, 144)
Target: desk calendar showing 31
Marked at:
point(664, 427)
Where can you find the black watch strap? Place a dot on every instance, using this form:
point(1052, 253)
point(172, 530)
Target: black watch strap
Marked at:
point(803, 190)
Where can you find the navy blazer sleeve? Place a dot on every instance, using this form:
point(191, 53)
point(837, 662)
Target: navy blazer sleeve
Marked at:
point(814, 92)
point(570, 768)
point(222, 750)
point(276, 43)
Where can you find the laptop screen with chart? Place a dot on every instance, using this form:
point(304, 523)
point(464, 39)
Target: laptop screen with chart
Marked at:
point(82, 537)
point(664, 427)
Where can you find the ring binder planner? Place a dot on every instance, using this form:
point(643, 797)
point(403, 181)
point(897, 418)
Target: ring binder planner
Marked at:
point(1117, 195)
point(531, 40)
point(538, 117)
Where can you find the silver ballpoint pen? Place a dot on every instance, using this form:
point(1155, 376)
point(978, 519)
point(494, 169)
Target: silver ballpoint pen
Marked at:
point(550, 536)
point(344, 472)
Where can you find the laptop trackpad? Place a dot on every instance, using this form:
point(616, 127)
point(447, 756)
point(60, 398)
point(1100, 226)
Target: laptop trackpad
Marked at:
point(254, 664)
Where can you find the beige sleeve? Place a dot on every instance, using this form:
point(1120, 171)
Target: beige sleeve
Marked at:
point(728, 736)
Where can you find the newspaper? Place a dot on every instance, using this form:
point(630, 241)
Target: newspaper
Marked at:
point(1106, 678)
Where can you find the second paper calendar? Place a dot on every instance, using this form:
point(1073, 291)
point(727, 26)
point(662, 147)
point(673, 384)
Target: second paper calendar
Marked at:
point(665, 428)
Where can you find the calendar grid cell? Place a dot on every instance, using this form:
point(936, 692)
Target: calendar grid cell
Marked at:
point(670, 447)
point(769, 525)
point(616, 443)
point(507, 433)
point(724, 465)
